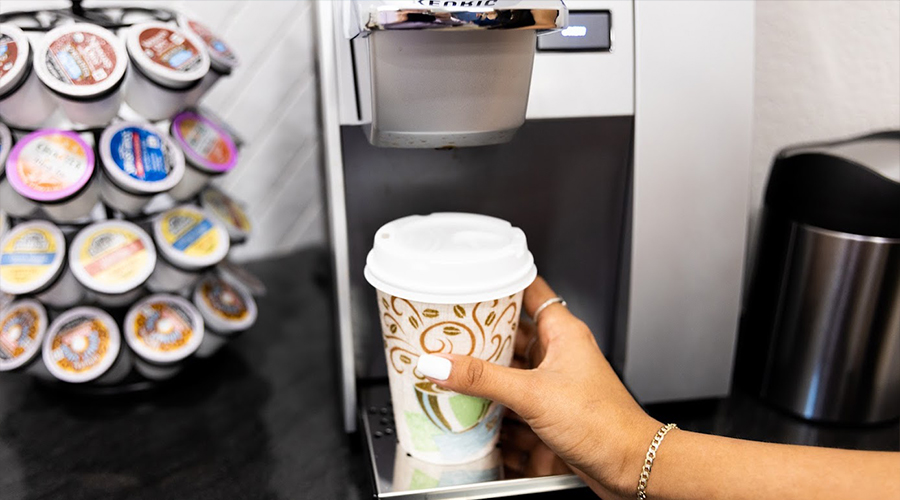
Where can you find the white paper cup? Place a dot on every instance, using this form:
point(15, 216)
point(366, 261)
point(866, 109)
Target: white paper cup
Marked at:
point(227, 308)
point(189, 241)
point(411, 473)
point(163, 330)
point(447, 283)
point(138, 162)
point(84, 66)
point(222, 58)
point(32, 262)
point(209, 151)
point(81, 345)
point(112, 259)
point(24, 101)
point(53, 169)
point(169, 63)
point(227, 212)
point(22, 327)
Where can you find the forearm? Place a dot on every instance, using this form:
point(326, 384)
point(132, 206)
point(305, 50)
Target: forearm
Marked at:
point(692, 466)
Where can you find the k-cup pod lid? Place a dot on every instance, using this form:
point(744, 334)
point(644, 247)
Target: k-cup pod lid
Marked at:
point(81, 344)
point(222, 58)
point(15, 52)
point(163, 328)
point(50, 165)
point(446, 258)
point(226, 306)
point(31, 257)
point(140, 159)
point(226, 211)
point(5, 139)
point(205, 144)
point(189, 238)
point(80, 60)
point(167, 54)
point(22, 328)
point(112, 257)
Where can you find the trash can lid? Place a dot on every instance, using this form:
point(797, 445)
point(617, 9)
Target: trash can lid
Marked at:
point(819, 186)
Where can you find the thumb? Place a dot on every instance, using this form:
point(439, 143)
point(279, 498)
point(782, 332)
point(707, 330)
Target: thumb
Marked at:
point(476, 377)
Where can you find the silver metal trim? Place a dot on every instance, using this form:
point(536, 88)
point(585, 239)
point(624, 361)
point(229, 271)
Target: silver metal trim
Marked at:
point(336, 204)
point(470, 15)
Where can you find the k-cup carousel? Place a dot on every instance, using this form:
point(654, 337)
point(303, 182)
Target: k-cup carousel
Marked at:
point(114, 241)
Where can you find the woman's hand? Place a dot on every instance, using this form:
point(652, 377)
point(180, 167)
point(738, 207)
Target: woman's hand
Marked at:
point(572, 399)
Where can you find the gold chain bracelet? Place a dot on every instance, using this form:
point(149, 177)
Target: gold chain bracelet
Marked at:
point(648, 462)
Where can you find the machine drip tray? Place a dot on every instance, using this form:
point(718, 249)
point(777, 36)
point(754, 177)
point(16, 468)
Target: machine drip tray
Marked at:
point(399, 476)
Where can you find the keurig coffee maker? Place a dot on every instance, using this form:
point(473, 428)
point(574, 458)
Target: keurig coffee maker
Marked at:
point(615, 134)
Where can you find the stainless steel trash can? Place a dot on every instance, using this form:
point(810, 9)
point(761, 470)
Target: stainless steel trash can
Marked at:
point(820, 333)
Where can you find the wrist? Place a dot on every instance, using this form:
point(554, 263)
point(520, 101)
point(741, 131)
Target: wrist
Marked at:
point(632, 454)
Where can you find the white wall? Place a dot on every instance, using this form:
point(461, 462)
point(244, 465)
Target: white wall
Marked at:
point(823, 70)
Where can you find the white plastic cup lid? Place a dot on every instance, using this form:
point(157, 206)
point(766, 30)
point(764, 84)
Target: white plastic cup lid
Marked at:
point(80, 60)
point(204, 143)
point(31, 257)
point(221, 55)
point(81, 344)
point(227, 211)
point(50, 165)
point(14, 52)
point(5, 145)
point(447, 258)
point(112, 257)
point(140, 158)
point(22, 328)
point(163, 328)
point(167, 54)
point(226, 306)
point(190, 238)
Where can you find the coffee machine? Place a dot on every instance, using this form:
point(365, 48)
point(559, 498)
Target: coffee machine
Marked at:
point(615, 133)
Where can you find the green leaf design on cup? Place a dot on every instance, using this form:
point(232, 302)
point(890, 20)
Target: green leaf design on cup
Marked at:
point(459, 311)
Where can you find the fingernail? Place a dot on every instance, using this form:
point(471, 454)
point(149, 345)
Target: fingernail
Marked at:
point(434, 367)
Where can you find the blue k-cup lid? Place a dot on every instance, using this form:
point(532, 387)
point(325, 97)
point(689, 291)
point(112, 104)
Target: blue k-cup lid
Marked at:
point(141, 159)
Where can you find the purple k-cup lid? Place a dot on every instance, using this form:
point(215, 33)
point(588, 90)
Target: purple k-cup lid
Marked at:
point(206, 145)
point(50, 165)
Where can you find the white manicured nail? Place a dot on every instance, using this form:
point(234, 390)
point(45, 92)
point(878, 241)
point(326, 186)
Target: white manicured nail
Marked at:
point(434, 367)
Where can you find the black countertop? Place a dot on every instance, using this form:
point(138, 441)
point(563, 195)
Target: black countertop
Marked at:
point(262, 418)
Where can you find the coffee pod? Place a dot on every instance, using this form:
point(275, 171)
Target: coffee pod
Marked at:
point(222, 58)
point(81, 345)
point(84, 66)
point(189, 242)
point(138, 162)
point(112, 259)
point(22, 327)
point(448, 283)
point(33, 262)
point(236, 272)
point(227, 212)
point(411, 473)
point(163, 331)
point(52, 169)
point(209, 151)
point(24, 102)
point(169, 63)
point(227, 308)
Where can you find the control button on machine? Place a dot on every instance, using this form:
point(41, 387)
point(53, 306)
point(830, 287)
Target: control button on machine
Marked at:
point(587, 32)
